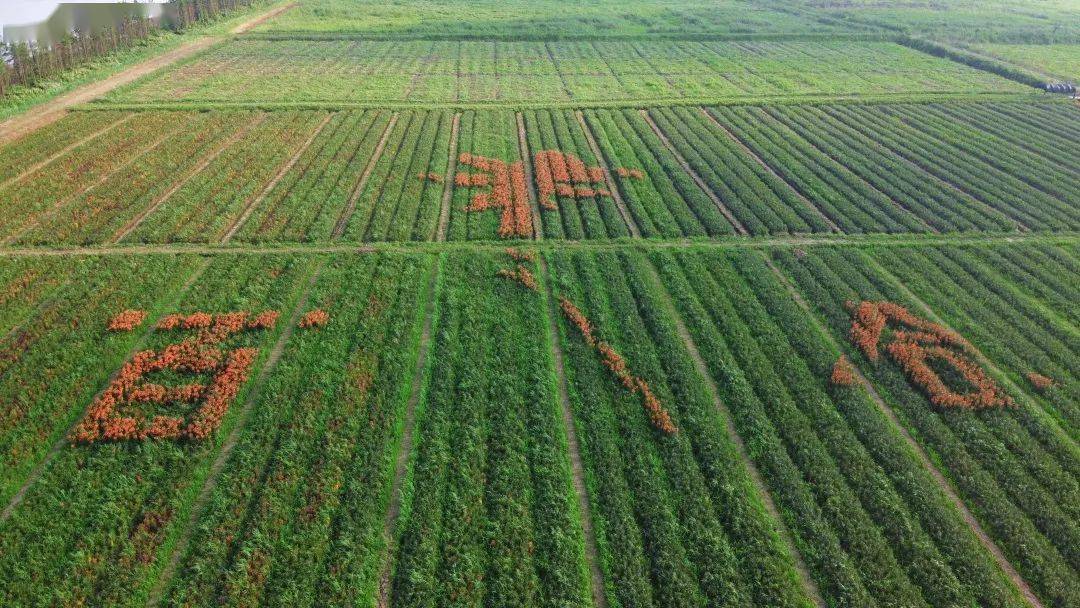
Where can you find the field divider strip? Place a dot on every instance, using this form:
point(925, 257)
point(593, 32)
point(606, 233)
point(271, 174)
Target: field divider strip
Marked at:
point(67, 149)
point(828, 220)
point(59, 444)
point(920, 453)
point(288, 166)
point(448, 181)
point(46, 214)
point(395, 103)
point(720, 206)
point(577, 469)
point(210, 481)
point(983, 360)
point(136, 221)
point(354, 197)
point(620, 204)
point(401, 460)
point(808, 584)
point(526, 160)
point(1067, 239)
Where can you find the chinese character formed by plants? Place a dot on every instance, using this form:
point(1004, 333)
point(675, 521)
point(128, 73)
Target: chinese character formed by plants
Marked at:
point(557, 173)
point(116, 415)
point(932, 356)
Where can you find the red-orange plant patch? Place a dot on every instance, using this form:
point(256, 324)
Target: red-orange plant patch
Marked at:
point(522, 275)
point(843, 373)
point(615, 363)
point(1040, 382)
point(509, 192)
point(314, 318)
point(914, 344)
point(201, 353)
point(127, 320)
point(520, 256)
point(565, 175)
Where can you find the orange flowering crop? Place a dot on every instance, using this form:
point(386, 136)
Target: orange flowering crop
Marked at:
point(557, 173)
point(522, 275)
point(914, 344)
point(198, 354)
point(1040, 382)
point(509, 192)
point(314, 318)
point(520, 256)
point(843, 373)
point(612, 360)
point(127, 320)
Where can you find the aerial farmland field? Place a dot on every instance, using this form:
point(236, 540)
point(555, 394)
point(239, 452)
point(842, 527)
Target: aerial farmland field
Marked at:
point(435, 303)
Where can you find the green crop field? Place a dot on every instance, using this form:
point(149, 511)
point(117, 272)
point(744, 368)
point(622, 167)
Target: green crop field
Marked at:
point(594, 71)
point(435, 303)
point(1058, 60)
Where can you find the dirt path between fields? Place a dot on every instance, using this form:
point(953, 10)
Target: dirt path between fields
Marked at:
point(910, 239)
point(746, 149)
point(401, 462)
point(62, 441)
point(612, 186)
point(210, 482)
point(55, 109)
point(448, 179)
point(694, 174)
point(526, 159)
point(577, 469)
point(943, 483)
point(808, 584)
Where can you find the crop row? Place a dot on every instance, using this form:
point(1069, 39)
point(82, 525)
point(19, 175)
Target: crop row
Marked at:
point(395, 205)
point(1014, 466)
point(29, 151)
point(678, 521)
point(758, 198)
point(488, 516)
point(581, 71)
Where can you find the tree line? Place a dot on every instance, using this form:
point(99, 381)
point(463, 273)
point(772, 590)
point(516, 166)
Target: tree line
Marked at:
point(27, 64)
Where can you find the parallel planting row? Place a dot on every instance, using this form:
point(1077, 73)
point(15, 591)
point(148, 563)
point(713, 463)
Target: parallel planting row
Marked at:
point(286, 70)
point(681, 368)
point(380, 175)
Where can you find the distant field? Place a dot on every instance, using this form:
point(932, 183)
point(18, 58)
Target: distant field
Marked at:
point(540, 18)
point(1060, 60)
point(1003, 21)
point(440, 72)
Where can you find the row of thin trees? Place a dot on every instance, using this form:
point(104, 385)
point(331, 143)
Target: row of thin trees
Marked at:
point(23, 64)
